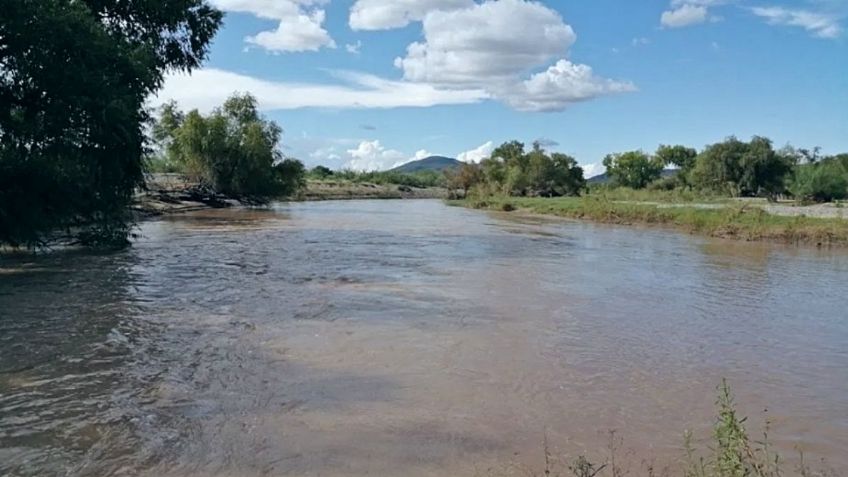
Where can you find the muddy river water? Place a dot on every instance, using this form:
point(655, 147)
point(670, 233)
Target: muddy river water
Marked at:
point(408, 339)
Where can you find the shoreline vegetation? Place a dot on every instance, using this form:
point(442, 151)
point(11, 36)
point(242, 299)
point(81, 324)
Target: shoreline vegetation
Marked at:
point(732, 189)
point(742, 220)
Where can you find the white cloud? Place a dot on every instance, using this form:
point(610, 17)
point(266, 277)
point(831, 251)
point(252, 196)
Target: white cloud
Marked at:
point(478, 154)
point(372, 156)
point(561, 85)
point(690, 12)
point(486, 50)
point(492, 46)
point(207, 88)
point(684, 15)
point(495, 40)
point(592, 170)
point(300, 28)
point(388, 14)
point(421, 154)
point(820, 25)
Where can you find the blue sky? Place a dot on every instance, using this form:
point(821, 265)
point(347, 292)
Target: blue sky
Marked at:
point(369, 84)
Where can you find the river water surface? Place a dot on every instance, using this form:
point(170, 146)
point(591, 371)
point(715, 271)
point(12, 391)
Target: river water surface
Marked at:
point(408, 338)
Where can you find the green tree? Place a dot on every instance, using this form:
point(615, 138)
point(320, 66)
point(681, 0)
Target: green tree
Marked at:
point(320, 172)
point(568, 175)
point(74, 78)
point(633, 169)
point(743, 168)
point(513, 171)
point(681, 157)
point(234, 150)
point(821, 181)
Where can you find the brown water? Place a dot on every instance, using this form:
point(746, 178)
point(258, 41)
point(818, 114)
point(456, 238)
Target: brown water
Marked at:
point(407, 338)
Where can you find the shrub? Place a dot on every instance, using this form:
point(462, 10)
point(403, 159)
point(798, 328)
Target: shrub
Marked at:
point(824, 181)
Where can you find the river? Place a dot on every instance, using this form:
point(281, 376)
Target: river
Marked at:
point(409, 338)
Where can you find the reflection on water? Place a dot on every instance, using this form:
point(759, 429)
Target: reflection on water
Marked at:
point(406, 338)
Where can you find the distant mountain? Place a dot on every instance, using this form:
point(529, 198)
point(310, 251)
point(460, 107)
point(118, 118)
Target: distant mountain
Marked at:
point(432, 163)
point(604, 178)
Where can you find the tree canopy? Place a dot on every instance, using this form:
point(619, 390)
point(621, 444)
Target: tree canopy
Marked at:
point(233, 150)
point(74, 78)
point(742, 168)
point(633, 169)
point(513, 171)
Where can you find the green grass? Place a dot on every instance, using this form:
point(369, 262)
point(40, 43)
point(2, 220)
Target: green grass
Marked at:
point(675, 196)
point(737, 221)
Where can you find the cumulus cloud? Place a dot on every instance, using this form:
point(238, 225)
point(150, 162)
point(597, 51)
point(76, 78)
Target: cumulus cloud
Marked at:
point(492, 46)
point(476, 155)
point(513, 51)
point(492, 41)
point(820, 25)
point(388, 14)
point(300, 23)
point(207, 88)
point(562, 84)
point(372, 156)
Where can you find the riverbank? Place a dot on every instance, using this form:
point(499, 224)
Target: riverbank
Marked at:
point(740, 221)
point(346, 190)
point(172, 193)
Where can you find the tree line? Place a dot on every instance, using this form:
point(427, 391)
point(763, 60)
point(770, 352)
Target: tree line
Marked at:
point(732, 168)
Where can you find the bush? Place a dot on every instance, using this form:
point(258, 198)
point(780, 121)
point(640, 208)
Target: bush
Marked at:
point(824, 181)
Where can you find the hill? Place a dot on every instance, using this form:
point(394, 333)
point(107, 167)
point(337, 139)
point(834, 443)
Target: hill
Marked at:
point(432, 163)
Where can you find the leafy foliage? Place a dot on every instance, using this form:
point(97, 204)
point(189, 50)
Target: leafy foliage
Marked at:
point(512, 171)
point(822, 181)
point(744, 169)
point(74, 76)
point(233, 150)
point(633, 169)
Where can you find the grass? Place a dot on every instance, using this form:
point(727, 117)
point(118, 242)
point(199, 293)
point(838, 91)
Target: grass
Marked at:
point(737, 221)
point(730, 453)
point(675, 196)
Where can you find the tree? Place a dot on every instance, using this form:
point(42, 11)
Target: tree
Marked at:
point(74, 78)
point(321, 172)
point(681, 157)
point(743, 169)
point(633, 169)
point(234, 150)
point(513, 171)
point(464, 177)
